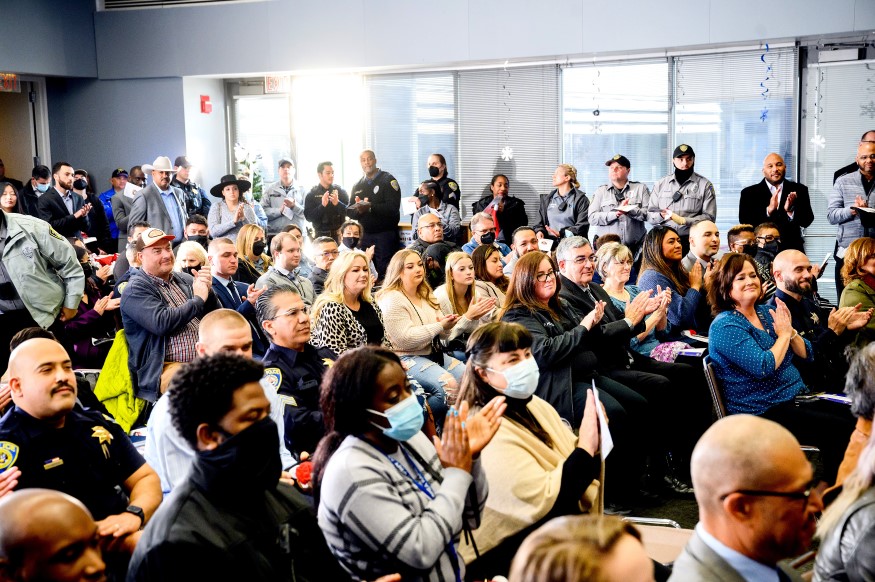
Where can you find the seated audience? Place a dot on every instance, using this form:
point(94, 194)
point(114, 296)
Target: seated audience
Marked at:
point(305, 267)
point(583, 548)
point(563, 347)
point(66, 448)
point(430, 230)
point(293, 367)
point(768, 240)
point(524, 240)
point(860, 388)
point(434, 204)
point(741, 238)
point(847, 529)
point(122, 263)
point(489, 276)
point(483, 233)
point(230, 213)
point(415, 325)
point(253, 261)
point(197, 229)
point(325, 250)
point(345, 316)
point(284, 272)
point(350, 236)
point(554, 472)
point(231, 518)
point(9, 198)
point(752, 347)
point(90, 332)
point(565, 210)
point(161, 311)
point(757, 503)
point(614, 263)
point(190, 256)
point(221, 332)
point(858, 274)
point(661, 268)
point(434, 259)
point(459, 296)
point(704, 245)
point(824, 329)
point(47, 535)
point(390, 501)
point(508, 212)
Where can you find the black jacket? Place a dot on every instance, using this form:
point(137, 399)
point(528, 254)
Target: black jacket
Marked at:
point(510, 218)
point(581, 213)
point(752, 210)
point(326, 220)
point(28, 200)
point(848, 552)
point(210, 529)
point(558, 346)
point(53, 210)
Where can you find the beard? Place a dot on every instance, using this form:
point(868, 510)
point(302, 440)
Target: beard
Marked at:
point(797, 287)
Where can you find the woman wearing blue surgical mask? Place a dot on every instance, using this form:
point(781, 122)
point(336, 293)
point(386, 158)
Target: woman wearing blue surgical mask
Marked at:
point(391, 501)
point(553, 472)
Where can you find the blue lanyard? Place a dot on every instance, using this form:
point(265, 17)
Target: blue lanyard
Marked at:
point(422, 484)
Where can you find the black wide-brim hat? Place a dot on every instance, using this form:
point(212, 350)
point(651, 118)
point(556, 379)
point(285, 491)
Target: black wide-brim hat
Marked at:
point(242, 185)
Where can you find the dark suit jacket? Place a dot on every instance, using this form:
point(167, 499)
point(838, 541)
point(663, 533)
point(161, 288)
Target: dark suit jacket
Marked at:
point(53, 210)
point(752, 210)
point(244, 308)
point(698, 562)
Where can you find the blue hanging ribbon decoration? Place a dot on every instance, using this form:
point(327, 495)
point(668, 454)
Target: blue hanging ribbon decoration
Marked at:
point(764, 114)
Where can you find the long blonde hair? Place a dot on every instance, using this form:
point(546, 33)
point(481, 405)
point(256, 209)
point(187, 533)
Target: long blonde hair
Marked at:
point(333, 290)
point(455, 301)
point(392, 280)
point(244, 243)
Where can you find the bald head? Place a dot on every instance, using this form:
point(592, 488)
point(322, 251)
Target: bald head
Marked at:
point(224, 331)
point(704, 239)
point(740, 452)
point(41, 379)
point(47, 535)
point(774, 169)
point(793, 275)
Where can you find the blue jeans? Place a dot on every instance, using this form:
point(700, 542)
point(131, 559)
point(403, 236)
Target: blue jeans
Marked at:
point(436, 381)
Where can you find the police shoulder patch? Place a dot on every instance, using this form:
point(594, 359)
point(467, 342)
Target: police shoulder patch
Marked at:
point(55, 234)
point(394, 184)
point(8, 454)
point(273, 377)
point(453, 186)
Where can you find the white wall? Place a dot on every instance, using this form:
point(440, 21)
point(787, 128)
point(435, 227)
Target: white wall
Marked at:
point(205, 134)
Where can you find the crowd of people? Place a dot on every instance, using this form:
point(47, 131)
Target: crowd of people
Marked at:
point(282, 392)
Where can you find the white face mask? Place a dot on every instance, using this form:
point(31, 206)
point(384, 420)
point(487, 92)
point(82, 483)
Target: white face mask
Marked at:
point(522, 378)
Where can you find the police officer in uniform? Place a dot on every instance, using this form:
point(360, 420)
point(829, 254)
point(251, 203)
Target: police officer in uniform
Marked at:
point(293, 367)
point(377, 205)
point(437, 170)
point(682, 198)
point(196, 200)
point(47, 441)
point(325, 204)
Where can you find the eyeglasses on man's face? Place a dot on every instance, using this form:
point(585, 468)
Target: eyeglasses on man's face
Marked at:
point(293, 312)
point(769, 238)
point(432, 226)
point(794, 495)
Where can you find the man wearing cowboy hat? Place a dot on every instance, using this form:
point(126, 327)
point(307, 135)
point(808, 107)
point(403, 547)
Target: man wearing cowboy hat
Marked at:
point(159, 203)
point(161, 311)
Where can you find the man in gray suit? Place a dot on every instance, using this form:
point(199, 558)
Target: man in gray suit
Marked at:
point(159, 203)
point(704, 245)
point(286, 251)
point(757, 503)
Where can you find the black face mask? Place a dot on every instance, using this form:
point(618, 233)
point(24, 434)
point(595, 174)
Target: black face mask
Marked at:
point(487, 238)
point(80, 184)
point(750, 250)
point(683, 175)
point(258, 248)
point(433, 171)
point(249, 458)
point(771, 248)
point(200, 239)
point(189, 270)
point(350, 242)
point(87, 269)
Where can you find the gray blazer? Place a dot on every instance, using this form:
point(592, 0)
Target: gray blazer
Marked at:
point(121, 212)
point(303, 287)
point(699, 563)
point(688, 261)
point(148, 206)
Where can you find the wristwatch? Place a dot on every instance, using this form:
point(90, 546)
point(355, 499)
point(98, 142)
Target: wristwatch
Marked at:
point(138, 511)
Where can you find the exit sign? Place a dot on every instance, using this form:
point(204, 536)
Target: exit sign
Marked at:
point(9, 83)
point(277, 84)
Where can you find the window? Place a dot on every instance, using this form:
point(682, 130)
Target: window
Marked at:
point(261, 125)
point(408, 117)
point(632, 101)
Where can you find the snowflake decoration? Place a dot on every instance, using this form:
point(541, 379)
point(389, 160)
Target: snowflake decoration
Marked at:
point(868, 109)
point(818, 141)
point(507, 153)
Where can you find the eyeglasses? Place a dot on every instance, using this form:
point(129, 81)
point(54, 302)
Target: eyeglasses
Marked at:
point(584, 260)
point(293, 312)
point(544, 277)
point(329, 254)
point(796, 495)
point(769, 238)
point(487, 230)
point(432, 226)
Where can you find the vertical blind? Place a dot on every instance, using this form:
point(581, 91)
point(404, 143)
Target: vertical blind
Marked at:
point(839, 107)
point(409, 117)
point(516, 108)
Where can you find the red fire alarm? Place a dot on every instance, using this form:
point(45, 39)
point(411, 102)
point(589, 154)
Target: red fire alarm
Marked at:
point(206, 104)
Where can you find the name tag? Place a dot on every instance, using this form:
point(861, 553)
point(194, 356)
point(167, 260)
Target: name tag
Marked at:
point(52, 463)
